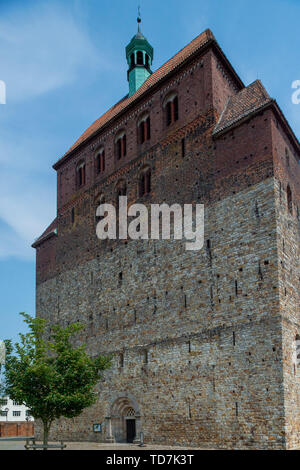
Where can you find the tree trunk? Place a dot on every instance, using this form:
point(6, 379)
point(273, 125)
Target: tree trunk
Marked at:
point(46, 433)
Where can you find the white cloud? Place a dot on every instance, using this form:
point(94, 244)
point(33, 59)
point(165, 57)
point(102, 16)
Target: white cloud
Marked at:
point(26, 208)
point(12, 245)
point(41, 49)
point(27, 190)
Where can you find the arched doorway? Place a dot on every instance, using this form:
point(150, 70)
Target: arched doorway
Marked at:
point(125, 420)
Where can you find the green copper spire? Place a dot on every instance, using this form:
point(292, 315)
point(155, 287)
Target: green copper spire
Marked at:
point(139, 55)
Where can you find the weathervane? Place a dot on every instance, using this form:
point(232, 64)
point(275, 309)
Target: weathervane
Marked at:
point(139, 20)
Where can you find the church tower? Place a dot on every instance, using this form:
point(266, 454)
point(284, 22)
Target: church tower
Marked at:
point(139, 55)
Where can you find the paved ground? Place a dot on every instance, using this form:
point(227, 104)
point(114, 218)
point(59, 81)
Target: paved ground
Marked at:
point(19, 445)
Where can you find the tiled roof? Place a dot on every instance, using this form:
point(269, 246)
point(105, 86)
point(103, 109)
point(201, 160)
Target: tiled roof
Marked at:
point(51, 230)
point(164, 70)
point(245, 102)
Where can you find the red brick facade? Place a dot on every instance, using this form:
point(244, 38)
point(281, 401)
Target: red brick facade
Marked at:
point(212, 323)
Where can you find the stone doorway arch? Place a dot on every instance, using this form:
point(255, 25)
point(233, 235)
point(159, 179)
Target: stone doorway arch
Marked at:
point(124, 422)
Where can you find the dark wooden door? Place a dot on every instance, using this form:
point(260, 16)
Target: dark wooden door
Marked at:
point(130, 429)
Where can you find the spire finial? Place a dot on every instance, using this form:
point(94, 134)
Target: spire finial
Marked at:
point(139, 19)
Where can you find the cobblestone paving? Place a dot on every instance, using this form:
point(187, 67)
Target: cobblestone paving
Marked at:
point(19, 445)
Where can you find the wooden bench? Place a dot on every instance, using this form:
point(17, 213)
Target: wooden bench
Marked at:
point(31, 445)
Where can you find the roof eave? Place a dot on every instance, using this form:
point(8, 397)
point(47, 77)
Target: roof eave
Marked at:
point(241, 120)
point(211, 42)
point(294, 140)
point(227, 63)
point(272, 103)
point(42, 239)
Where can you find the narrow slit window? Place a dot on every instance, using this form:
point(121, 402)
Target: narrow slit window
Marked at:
point(80, 175)
point(140, 58)
point(183, 148)
point(120, 145)
point(289, 200)
point(144, 130)
point(145, 183)
point(100, 162)
point(298, 351)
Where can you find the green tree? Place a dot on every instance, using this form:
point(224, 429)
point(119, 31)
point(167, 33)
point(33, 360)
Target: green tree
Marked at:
point(45, 372)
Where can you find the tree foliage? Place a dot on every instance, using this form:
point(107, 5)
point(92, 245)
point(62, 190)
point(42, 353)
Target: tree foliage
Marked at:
point(45, 372)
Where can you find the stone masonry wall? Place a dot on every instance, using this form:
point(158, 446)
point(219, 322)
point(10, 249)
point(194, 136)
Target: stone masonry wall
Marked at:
point(208, 320)
point(288, 222)
point(203, 342)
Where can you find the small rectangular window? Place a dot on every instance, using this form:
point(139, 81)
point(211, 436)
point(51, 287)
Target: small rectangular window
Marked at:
point(145, 357)
point(183, 148)
point(121, 363)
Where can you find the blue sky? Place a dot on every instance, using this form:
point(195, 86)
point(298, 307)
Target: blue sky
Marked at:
point(64, 64)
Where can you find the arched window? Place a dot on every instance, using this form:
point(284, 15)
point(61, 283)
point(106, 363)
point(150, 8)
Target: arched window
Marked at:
point(121, 190)
point(145, 182)
point(80, 174)
point(144, 129)
point(140, 58)
point(171, 109)
point(289, 199)
point(120, 145)
point(100, 161)
point(132, 60)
